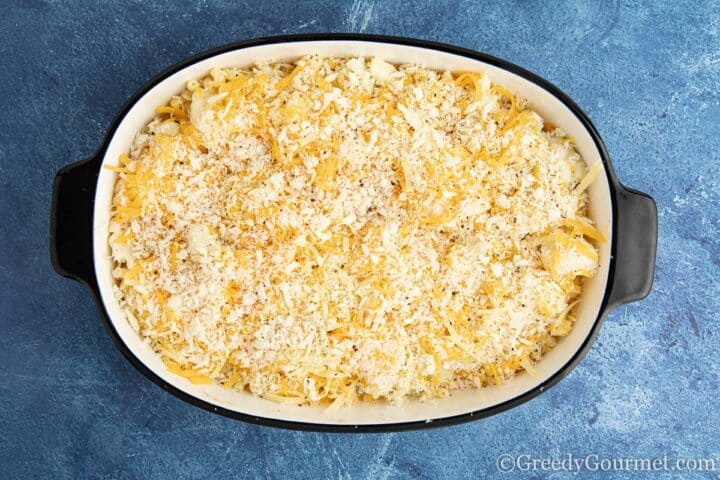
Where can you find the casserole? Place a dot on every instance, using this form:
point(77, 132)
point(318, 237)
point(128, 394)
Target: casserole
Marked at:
point(81, 212)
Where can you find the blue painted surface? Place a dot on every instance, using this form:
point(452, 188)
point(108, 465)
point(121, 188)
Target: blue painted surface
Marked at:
point(648, 74)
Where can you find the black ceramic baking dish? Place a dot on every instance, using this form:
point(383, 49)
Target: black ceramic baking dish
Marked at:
point(81, 205)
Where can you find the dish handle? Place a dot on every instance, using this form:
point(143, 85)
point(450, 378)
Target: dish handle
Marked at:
point(71, 220)
point(636, 237)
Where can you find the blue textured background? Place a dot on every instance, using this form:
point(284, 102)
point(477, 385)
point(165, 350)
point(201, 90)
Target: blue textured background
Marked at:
point(647, 74)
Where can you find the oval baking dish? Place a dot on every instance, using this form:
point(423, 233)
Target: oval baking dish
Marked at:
point(82, 199)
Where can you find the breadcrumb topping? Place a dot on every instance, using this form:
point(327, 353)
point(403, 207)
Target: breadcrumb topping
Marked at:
point(341, 230)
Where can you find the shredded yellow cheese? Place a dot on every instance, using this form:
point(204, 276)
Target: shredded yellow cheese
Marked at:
point(172, 111)
point(350, 231)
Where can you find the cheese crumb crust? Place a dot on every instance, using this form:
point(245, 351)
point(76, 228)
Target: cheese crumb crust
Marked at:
point(342, 230)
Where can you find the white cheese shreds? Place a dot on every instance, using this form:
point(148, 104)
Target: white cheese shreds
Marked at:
point(342, 230)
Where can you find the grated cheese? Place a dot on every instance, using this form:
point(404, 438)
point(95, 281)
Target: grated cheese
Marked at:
point(343, 230)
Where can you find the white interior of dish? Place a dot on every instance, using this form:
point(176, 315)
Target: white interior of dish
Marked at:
point(371, 413)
